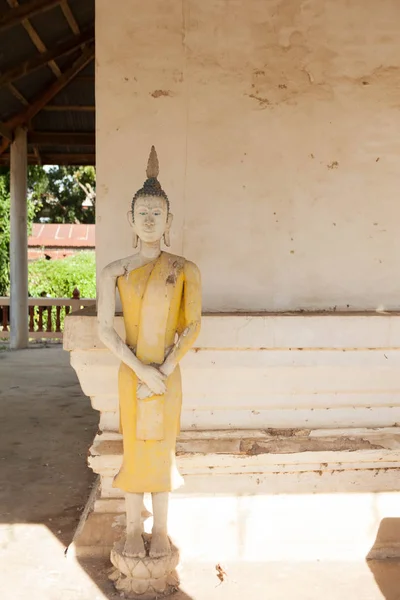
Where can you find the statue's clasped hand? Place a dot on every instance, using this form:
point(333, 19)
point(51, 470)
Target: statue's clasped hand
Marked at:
point(152, 379)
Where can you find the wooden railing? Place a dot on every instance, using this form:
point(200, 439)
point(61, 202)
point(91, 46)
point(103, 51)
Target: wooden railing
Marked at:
point(46, 315)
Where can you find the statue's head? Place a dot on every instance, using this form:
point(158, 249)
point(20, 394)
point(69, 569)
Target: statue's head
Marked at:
point(150, 217)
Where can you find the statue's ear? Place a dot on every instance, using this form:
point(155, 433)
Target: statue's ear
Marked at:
point(129, 216)
point(135, 239)
point(167, 240)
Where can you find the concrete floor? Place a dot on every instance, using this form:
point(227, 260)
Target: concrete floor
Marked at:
point(47, 427)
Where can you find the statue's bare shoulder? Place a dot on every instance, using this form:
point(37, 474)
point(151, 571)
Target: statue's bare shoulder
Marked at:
point(121, 267)
point(192, 272)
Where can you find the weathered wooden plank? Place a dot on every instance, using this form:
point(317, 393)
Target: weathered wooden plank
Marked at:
point(192, 419)
point(303, 482)
point(271, 443)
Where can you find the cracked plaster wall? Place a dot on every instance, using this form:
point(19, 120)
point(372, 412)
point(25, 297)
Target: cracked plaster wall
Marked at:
point(276, 124)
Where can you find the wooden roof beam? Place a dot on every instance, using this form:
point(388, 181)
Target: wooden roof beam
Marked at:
point(67, 12)
point(70, 108)
point(61, 138)
point(31, 64)
point(37, 155)
point(17, 94)
point(48, 94)
point(16, 15)
point(69, 159)
point(88, 78)
point(55, 159)
point(6, 132)
point(36, 40)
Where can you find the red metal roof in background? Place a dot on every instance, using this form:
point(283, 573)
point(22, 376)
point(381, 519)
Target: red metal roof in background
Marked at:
point(53, 235)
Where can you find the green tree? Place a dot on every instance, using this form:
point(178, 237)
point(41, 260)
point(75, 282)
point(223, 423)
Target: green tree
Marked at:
point(33, 206)
point(4, 237)
point(62, 192)
point(54, 193)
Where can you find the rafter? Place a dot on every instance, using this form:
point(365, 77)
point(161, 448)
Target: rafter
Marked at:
point(69, 159)
point(37, 155)
point(61, 138)
point(17, 94)
point(85, 78)
point(69, 108)
point(6, 132)
point(36, 40)
point(25, 11)
point(48, 94)
point(40, 46)
point(55, 159)
point(65, 7)
point(31, 64)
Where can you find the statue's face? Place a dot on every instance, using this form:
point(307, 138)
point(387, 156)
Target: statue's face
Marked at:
point(150, 218)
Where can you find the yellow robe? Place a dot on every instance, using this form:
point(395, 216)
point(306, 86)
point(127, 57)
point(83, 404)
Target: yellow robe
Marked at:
point(159, 300)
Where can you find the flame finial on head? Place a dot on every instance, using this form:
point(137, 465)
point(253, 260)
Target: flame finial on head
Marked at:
point(153, 167)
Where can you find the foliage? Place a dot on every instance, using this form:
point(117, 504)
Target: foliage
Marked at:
point(37, 183)
point(4, 237)
point(58, 278)
point(61, 192)
point(33, 207)
point(55, 194)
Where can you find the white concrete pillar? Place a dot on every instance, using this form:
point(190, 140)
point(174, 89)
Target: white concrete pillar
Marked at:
point(19, 334)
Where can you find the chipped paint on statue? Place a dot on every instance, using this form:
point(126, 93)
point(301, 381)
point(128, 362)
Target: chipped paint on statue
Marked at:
point(161, 303)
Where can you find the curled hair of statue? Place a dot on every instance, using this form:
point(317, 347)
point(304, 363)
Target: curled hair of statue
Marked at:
point(151, 186)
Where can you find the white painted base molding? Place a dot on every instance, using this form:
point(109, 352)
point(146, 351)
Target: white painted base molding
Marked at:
point(290, 445)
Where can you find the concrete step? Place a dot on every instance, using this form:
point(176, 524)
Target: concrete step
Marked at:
point(276, 580)
point(272, 461)
point(267, 495)
point(262, 527)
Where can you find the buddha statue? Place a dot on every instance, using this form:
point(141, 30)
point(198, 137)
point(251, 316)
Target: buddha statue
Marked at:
point(161, 304)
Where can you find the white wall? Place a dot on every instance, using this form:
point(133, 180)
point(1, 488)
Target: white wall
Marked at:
point(277, 133)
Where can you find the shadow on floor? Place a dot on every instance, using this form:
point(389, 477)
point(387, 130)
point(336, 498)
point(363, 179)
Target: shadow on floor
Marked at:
point(48, 426)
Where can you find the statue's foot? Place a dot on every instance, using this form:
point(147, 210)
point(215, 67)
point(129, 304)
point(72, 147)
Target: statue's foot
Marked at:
point(160, 544)
point(134, 545)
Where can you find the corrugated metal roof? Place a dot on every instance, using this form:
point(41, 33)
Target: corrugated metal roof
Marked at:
point(62, 235)
point(78, 96)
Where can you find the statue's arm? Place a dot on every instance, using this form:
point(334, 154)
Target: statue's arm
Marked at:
point(110, 338)
point(105, 317)
point(192, 311)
